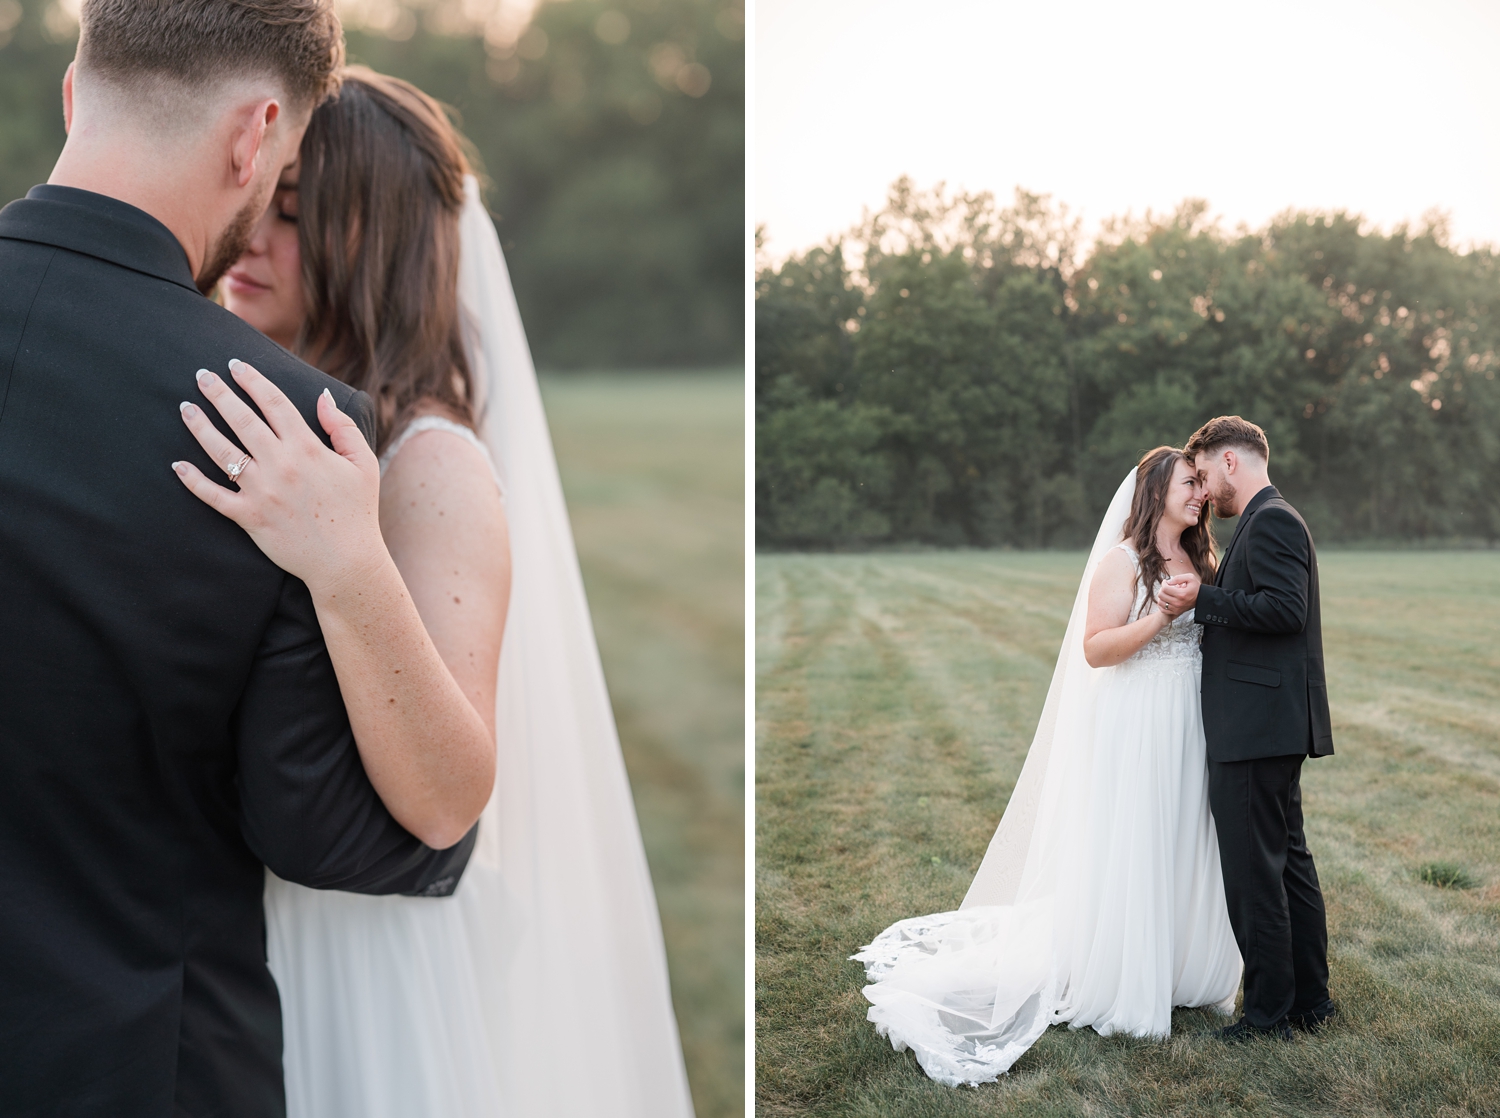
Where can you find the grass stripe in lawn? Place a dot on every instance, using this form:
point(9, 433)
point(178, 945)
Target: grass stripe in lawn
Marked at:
point(896, 698)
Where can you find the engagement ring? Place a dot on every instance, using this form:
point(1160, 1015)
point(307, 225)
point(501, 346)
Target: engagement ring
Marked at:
point(235, 469)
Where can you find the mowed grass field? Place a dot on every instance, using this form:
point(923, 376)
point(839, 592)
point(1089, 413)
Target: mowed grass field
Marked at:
point(897, 696)
point(653, 469)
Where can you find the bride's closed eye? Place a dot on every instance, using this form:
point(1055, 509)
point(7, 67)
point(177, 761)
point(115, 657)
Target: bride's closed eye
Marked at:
point(285, 202)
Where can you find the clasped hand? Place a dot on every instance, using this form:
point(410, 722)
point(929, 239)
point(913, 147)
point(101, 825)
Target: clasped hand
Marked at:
point(315, 512)
point(1178, 594)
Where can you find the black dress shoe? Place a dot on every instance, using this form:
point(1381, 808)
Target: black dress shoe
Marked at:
point(1313, 1020)
point(1242, 1031)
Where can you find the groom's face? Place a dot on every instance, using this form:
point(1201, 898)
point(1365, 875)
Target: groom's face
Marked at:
point(228, 248)
point(280, 153)
point(1215, 470)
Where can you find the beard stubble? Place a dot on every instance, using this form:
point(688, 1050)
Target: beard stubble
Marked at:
point(1223, 498)
point(230, 246)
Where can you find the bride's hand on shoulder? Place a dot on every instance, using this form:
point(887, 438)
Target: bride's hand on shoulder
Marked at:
point(315, 512)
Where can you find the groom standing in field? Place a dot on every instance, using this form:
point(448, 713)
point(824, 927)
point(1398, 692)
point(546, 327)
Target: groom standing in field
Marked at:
point(170, 721)
point(1265, 709)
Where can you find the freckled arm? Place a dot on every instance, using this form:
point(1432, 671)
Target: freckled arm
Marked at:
point(416, 645)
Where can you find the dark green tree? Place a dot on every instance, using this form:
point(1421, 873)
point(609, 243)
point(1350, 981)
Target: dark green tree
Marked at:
point(34, 54)
point(1017, 378)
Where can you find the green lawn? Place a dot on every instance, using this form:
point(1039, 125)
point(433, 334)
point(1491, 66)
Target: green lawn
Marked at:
point(653, 467)
point(897, 695)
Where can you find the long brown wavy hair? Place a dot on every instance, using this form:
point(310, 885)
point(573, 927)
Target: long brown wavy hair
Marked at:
point(381, 188)
point(1153, 478)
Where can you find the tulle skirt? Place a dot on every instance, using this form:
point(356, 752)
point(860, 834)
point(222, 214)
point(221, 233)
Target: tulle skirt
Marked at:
point(1134, 924)
point(380, 1002)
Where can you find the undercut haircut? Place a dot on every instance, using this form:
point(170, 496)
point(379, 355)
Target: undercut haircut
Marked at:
point(1228, 431)
point(137, 45)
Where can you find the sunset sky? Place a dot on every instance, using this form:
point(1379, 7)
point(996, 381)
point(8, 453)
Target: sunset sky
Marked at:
point(1378, 107)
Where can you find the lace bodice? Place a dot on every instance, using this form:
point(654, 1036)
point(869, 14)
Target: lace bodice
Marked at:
point(438, 423)
point(1179, 642)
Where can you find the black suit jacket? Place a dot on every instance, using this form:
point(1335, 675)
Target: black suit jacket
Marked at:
point(169, 717)
point(1264, 691)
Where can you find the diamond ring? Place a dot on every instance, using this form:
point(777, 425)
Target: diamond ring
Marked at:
point(235, 469)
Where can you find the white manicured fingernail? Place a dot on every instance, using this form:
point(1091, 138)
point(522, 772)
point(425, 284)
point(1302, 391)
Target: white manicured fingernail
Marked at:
point(330, 397)
point(187, 408)
point(180, 467)
point(205, 377)
point(233, 361)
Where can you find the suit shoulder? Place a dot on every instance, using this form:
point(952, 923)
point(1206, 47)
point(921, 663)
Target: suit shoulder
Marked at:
point(19, 255)
point(1277, 518)
point(1278, 511)
point(299, 380)
point(23, 264)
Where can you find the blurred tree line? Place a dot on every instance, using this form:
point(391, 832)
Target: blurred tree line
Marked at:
point(611, 132)
point(961, 373)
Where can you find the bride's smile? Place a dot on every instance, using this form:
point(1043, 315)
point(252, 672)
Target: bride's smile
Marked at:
point(1184, 504)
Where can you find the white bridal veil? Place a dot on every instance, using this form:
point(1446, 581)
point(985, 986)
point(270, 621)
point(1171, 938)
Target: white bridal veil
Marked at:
point(1022, 860)
point(558, 898)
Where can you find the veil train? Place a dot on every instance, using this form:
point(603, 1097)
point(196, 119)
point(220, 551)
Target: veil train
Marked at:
point(557, 899)
point(970, 991)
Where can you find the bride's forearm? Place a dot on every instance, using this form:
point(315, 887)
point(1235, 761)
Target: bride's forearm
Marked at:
point(1109, 647)
point(426, 749)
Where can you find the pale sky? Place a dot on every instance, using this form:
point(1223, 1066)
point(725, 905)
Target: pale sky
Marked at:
point(1388, 108)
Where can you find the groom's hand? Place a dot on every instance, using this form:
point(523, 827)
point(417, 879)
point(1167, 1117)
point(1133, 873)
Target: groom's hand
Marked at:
point(1178, 594)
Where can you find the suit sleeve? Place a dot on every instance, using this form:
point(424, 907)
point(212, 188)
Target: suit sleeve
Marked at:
point(308, 810)
point(360, 408)
point(1278, 557)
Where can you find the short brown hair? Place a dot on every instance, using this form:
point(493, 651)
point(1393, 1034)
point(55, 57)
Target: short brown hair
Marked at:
point(1231, 431)
point(378, 201)
point(195, 42)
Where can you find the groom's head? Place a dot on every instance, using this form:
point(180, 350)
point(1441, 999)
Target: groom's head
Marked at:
point(209, 96)
point(1232, 454)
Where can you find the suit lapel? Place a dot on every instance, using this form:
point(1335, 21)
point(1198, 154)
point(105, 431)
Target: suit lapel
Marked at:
point(1250, 510)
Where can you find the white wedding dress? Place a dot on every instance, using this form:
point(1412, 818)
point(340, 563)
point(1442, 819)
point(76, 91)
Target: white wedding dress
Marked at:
point(1100, 901)
point(463, 1006)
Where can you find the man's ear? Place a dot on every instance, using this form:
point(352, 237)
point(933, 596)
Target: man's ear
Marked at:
point(68, 98)
point(248, 139)
point(1231, 462)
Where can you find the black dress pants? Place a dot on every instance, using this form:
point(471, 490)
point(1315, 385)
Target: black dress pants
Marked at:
point(1275, 905)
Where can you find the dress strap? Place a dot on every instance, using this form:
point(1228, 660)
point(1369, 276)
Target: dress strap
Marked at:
point(1142, 599)
point(438, 423)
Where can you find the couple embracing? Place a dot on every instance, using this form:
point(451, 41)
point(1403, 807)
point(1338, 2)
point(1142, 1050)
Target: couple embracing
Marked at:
point(310, 795)
point(1152, 853)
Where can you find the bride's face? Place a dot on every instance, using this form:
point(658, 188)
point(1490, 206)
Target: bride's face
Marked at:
point(1185, 495)
point(264, 287)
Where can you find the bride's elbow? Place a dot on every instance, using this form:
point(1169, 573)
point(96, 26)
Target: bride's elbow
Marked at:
point(1094, 656)
point(442, 836)
point(447, 830)
point(447, 824)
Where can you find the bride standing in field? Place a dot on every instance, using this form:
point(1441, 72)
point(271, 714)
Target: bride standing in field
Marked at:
point(1100, 901)
point(377, 261)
